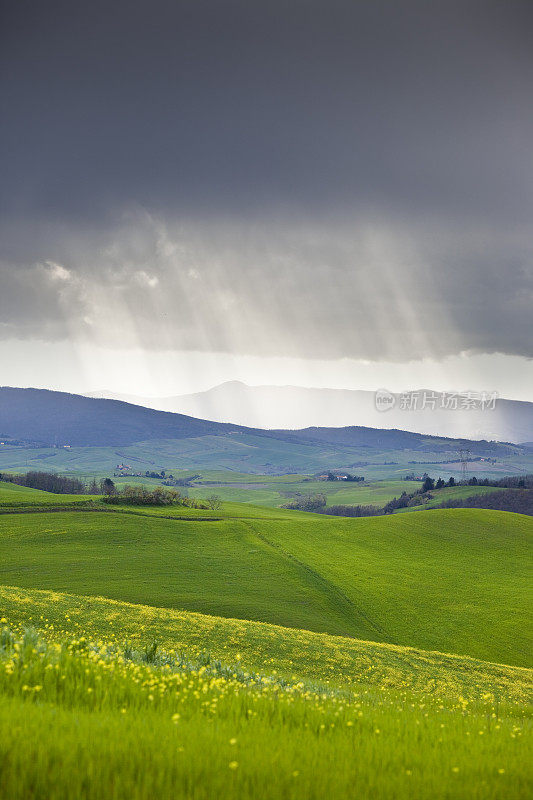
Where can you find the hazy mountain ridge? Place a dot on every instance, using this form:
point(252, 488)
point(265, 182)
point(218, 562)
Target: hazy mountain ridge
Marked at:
point(59, 418)
point(293, 407)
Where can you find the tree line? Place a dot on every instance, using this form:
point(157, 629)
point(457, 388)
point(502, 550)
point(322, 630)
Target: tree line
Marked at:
point(47, 482)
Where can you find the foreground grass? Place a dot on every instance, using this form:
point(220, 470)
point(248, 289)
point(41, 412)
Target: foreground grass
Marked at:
point(332, 661)
point(123, 721)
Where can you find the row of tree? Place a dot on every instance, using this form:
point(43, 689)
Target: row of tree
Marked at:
point(508, 482)
point(47, 482)
point(129, 495)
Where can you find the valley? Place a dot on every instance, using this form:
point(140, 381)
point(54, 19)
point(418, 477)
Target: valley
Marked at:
point(215, 633)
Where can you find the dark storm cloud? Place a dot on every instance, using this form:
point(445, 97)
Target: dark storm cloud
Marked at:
point(283, 147)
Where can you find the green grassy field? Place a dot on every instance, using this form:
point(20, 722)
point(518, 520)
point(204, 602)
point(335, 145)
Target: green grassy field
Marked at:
point(275, 493)
point(211, 716)
point(397, 579)
point(414, 698)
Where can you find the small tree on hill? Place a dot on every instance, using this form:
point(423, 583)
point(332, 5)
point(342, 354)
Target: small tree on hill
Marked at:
point(108, 487)
point(214, 501)
point(428, 484)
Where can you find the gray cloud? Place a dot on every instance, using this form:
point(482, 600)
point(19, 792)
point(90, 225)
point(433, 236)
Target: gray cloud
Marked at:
point(356, 288)
point(304, 178)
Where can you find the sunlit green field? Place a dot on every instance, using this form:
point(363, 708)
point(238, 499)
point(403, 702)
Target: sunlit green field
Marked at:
point(262, 491)
point(233, 709)
point(452, 580)
point(126, 691)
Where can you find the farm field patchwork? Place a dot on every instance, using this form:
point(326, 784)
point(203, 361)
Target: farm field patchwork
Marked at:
point(265, 491)
point(337, 492)
point(254, 454)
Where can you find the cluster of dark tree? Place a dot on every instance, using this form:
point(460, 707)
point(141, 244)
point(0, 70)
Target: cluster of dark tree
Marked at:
point(59, 484)
point(158, 496)
point(407, 501)
point(142, 496)
point(509, 482)
point(47, 482)
point(421, 496)
point(520, 501)
point(429, 482)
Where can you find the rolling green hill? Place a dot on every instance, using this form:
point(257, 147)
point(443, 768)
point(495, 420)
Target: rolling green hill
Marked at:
point(323, 659)
point(454, 580)
point(102, 645)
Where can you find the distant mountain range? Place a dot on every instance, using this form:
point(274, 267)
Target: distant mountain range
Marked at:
point(293, 407)
point(57, 418)
point(46, 429)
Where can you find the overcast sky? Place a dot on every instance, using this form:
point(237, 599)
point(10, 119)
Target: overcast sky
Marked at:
point(312, 190)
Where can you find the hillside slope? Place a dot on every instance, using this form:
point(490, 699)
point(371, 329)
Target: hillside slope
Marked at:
point(339, 661)
point(50, 417)
point(454, 580)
